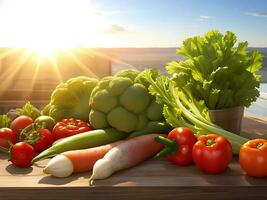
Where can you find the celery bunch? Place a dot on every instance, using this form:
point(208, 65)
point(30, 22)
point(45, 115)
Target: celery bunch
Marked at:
point(182, 109)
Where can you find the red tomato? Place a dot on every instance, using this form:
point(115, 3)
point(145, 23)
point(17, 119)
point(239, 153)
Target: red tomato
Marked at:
point(6, 136)
point(253, 157)
point(69, 127)
point(21, 122)
point(21, 154)
point(179, 144)
point(212, 153)
point(45, 140)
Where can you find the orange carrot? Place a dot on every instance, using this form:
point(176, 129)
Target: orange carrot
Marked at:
point(84, 160)
point(76, 161)
point(127, 154)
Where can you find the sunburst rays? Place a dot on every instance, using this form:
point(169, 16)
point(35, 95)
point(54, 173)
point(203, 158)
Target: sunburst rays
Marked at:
point(9, 76)
point(80, 64)
point(23, 57)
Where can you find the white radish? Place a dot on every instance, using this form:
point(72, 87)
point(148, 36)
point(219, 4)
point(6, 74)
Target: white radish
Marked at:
point(59, 166)
point(77, 161)
point(127, 154)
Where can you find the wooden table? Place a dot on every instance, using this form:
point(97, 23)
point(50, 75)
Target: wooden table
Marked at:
point(150, 180)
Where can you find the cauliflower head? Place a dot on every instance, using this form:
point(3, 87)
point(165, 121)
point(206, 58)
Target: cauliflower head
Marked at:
point(123, 102)
point(70, 99)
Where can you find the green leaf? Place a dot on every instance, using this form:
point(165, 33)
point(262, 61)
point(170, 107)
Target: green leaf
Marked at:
point(4, 121)
point(255, 61)
point(29, 110)
point(213, 98)
point(217, 70)
point(229, 39)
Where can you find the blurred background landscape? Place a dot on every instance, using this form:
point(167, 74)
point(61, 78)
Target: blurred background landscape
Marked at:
point(142, 58)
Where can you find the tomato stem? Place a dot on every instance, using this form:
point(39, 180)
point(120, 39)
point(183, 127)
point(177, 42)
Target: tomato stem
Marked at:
point(31, 133)
point(171, 146)
point(210, 142)
point(4, 150)
point(259, 145)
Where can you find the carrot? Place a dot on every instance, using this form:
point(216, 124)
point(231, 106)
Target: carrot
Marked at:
point(85, 140)
point(76, 161)
point(127, 154)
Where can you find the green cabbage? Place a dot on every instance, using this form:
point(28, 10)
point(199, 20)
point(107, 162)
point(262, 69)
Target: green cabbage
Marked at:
point(70, 99)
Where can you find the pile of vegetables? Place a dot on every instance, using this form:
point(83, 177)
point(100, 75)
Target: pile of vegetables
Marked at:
point(211, 153)
point(24, 138)
point(181, 109)
point(119, 121)
point(120, 107)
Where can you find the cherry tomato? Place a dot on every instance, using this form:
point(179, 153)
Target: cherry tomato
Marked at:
point(6, 136)
point(69, 127)
point(45, 140)
point(21, 154)
point(179, 144)
point(21, 122)
point(212, 153)
point(253, 157)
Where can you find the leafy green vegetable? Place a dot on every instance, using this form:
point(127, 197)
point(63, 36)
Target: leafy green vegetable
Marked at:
point(4, 121)
point(217, 71)
point(28, 109)
point(70, 99)
point(123, 102)
point(182, 109)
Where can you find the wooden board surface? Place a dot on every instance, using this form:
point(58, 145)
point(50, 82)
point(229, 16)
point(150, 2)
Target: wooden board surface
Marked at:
point(150, 180)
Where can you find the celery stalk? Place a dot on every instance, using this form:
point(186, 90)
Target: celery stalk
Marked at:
point(180, 109)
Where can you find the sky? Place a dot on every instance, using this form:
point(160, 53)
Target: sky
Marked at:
point(128, 23)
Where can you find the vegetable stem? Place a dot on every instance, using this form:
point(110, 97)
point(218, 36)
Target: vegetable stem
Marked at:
point(4, 150)
point(210, 142)
point(235, 140)
point(171, 146)
point(180, 108)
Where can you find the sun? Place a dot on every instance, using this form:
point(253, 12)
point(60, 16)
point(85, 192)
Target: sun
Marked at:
point(44, 26)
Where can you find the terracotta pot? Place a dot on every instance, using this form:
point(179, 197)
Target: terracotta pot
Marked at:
point(229, 119)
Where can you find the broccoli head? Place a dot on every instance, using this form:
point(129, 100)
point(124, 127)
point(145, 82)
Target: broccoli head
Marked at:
point(123, 102)
point(70, 99)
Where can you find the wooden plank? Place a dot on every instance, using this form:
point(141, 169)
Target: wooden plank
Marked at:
point(26, 95)
point(254, 126)
point(153, 179)
point(149, 178)
point(5, 106)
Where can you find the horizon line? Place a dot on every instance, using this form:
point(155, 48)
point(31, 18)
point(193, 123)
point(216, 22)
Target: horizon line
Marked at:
point(148, 47)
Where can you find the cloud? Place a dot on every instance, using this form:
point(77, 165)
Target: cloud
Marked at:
point(193, 26)
point(115, 28)
point(257, 14)
point(106, 13)
point(204, 18)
